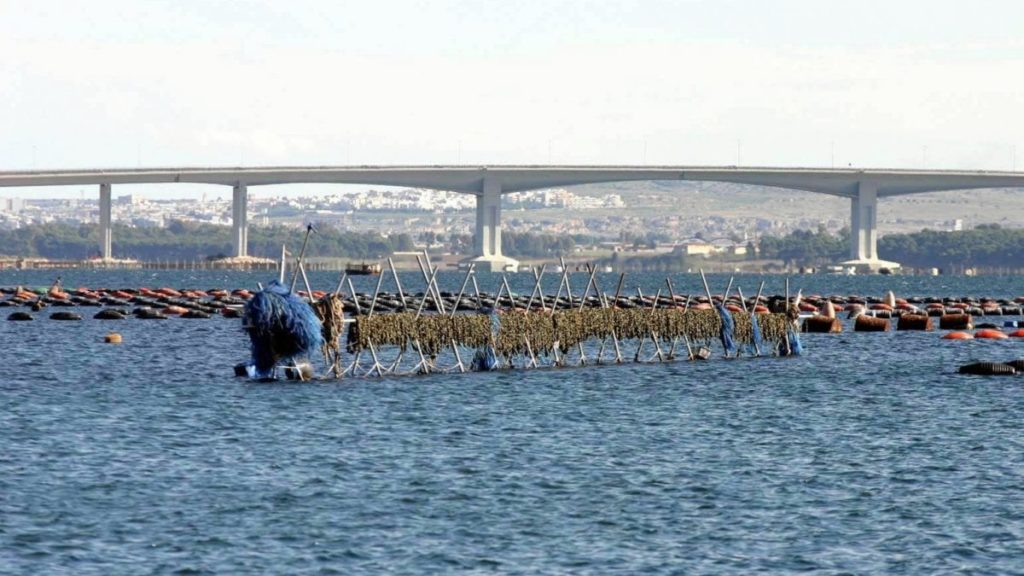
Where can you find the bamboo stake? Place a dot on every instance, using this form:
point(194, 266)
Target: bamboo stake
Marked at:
point(344, 276)
point(398, 283)
point(355, 300)
point(586, 291)
point(540, 289)
point(462, 290)
point(436, 289)
point(302, 254)
point(284, 263)
point(536, 285)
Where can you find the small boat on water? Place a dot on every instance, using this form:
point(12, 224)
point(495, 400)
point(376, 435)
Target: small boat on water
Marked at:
point(363, 269)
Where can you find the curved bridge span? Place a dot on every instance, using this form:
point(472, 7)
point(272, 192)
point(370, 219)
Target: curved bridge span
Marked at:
point(862, 186)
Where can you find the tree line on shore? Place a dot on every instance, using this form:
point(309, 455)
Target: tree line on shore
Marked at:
point(987, 245)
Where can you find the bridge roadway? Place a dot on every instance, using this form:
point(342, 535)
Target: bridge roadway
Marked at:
point(862, 186)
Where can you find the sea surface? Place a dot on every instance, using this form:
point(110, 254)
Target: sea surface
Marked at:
point(869, 454)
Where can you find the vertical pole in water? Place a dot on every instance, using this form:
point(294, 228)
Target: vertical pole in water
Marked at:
point(536, 284)
point(686, 340)
point(465, 282)
point(284, 264)
point(344, 276)
point(398, 283)
point(302, 253)
point(707, 290)
point(586, 292)
point(355, 359)
point(511, 298)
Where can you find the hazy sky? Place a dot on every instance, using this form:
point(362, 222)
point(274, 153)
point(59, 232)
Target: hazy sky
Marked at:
point(903, 83)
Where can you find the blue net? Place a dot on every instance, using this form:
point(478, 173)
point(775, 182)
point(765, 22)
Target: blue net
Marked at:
point(728, 327)
point(756, 340)
point(281, 326)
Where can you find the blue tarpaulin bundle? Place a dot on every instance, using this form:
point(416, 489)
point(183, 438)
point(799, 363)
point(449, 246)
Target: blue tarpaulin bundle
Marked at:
point(756, 340)
point(281, 326)
point(728, 326)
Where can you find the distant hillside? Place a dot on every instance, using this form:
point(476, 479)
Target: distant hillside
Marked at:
point(900, 214)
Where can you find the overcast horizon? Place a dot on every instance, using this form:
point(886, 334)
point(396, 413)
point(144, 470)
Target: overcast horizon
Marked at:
point(792, 83)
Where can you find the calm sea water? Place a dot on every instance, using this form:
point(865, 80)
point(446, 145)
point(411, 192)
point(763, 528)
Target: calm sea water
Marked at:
point(867, 455)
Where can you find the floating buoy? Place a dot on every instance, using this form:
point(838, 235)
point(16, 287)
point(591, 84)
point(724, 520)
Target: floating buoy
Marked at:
point(914, 322)
point(958, 336)
point(829, 309)
point(175, 310)
point(869, 324)
point(20, 317)
point(956, 322)
point(195, 314)
point(231, 312)
point(822, 325)
point(988, 369)
point(890, 299)
point(65, 316)
point(989, 333)
point(881, 307)
point(109, 314)
point(112, 338)
point(1017, 334)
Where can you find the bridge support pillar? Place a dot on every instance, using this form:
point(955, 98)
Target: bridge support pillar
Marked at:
point(487, 243)
point(240, 220)
point(864, 229)
point(106, 226)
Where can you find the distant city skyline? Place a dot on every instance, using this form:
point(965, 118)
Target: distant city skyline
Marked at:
point(117, 83)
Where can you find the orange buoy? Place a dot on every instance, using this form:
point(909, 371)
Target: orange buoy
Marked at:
point(958, 336)
point(112, 338)
point(990, 333)
point(1017, 333)
point(733, 308)
point(761, 309)
point(881, 307)
point(175, 310)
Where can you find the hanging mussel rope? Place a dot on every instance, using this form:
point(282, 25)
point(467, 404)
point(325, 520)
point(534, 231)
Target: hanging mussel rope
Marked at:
point(520, 332)
point(573, 327)
point(773, 327)
point(330, 310)
point(434, 332)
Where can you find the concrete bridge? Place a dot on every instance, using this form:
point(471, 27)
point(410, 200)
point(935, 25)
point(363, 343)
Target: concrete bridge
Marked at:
point(862, 186)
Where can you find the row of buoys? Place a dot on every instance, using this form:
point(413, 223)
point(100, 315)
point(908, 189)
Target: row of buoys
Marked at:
point(932, 306)
point(142, 313)
point(984, 334)
point(993, 368)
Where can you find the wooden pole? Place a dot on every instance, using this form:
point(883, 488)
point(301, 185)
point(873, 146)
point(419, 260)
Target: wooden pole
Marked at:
point(302, 254)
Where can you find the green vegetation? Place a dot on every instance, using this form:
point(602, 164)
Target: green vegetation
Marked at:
point(191, 241)
point(803, 247)
point(988, 245)
point(985, 246)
